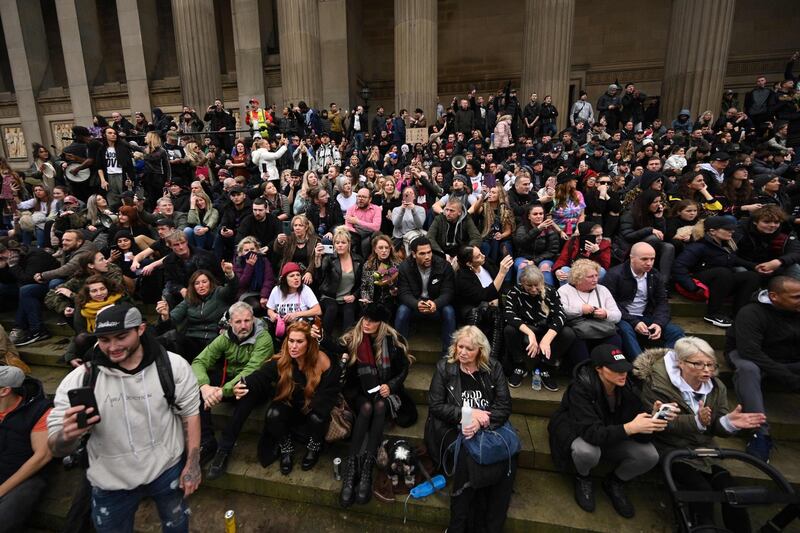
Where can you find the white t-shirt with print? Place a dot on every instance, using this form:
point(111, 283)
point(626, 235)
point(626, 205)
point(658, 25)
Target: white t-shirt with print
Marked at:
point(291, 303)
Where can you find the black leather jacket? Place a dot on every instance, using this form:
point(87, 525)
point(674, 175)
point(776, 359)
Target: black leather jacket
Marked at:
point(444, 404)
point(331, 274)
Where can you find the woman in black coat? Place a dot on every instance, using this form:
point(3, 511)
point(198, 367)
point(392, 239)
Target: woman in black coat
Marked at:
point(377, 357)
point(294, 405)
point(478, 280)
point(645, 222)
point(537, 241)
point(586, 428)
point(766, 243)
point(468, 377)
point(340, 281)
point(713, 262)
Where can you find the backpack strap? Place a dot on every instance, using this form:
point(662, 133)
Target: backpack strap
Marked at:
point(165, 376)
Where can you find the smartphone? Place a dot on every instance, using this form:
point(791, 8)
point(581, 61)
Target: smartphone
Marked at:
point(287, 227)
point(327, 249)
point(663, 412)
point(83, 396)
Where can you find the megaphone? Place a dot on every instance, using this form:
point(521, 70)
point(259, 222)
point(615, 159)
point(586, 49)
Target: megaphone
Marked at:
point(458, 162)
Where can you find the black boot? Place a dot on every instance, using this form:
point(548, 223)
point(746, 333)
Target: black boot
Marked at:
point(614, 488)
point(287, 455)
point(312, 454)
point(364, 490)
point(349, 476)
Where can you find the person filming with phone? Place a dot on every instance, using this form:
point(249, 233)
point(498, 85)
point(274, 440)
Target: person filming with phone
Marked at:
point(141, 416)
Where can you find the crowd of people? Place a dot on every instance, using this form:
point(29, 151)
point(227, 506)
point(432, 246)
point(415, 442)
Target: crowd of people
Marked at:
point(287, 266)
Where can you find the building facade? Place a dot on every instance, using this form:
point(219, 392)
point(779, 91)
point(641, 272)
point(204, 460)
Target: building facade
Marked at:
point(67, 60)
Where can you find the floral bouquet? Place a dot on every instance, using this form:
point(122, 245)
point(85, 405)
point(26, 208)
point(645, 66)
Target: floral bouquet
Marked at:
point(386, 275)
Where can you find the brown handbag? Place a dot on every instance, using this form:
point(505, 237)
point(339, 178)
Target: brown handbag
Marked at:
point(342, 418)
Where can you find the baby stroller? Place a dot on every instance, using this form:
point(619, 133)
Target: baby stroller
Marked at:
point(739, 496)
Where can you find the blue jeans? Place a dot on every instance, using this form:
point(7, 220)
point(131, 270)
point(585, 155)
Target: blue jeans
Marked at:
point(27, 237)
point(548, 276)
point(114, 510)
point(630, 339)
point(29, 310)
point(204, 241)
point(446, 314)
point(496, 250)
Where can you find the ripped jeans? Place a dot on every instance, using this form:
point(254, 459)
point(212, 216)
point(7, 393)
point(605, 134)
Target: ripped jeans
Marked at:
point(113, 511)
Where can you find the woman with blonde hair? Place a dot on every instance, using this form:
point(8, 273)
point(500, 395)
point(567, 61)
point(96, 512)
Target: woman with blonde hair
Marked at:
point(305, 384)
point(157, 170)
point(535, 332)
point(497, 223)
point(201, 220)
point(303, 198)
point(340, 281)
point(298, 247)
point(378, 358)
point(469, 378)
point(590, 309)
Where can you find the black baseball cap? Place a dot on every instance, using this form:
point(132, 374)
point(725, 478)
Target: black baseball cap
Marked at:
point(720, 156)
point(236, 189)
point(611, 357)
point(116, 318)
point(165, 222)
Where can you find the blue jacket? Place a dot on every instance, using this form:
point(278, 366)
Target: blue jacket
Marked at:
point(703, 255)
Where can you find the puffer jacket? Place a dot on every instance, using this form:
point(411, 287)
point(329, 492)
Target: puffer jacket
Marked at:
point(683, 432)
point(584, 413)
point(242, 357)
point(703, 255)
point(202, 320)
point(444, 401)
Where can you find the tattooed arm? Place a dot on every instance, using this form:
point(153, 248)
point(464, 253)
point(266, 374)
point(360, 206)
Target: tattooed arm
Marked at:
point(191, 475)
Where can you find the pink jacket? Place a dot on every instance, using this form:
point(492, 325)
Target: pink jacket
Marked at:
point(502, 134)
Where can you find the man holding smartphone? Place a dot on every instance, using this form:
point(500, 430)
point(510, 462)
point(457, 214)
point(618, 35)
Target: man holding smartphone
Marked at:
point(137, 448)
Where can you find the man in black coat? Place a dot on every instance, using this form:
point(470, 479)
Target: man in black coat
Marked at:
point(426, 288)
point(261, 224)
point(221, 119)
point(763, 344)
point(641, 295)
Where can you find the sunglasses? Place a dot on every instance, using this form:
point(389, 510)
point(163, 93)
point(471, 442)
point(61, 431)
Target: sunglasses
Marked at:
point(604, 182)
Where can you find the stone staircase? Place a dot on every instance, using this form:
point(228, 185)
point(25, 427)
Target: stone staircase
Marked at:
point(542, 500)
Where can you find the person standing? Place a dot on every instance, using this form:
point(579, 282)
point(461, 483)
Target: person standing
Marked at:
point(140, 445)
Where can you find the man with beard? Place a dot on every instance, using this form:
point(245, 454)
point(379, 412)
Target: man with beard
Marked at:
point(238, 351)
point(144, 443)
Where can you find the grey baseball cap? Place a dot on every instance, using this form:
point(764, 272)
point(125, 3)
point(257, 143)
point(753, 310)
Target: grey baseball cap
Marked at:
point(115, 318)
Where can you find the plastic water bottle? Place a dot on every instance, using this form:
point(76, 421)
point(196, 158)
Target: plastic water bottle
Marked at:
point(466, 415)
point(536, 382)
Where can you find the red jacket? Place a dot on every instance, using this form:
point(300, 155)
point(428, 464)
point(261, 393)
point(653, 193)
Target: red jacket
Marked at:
point(570, 253)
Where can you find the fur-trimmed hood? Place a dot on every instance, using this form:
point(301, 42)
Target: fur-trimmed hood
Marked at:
point(644, 365)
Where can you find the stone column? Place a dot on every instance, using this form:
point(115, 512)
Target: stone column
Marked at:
point(415, 56)
point(198, 52)
point(697, 56)
point(301, 71)
point(247, 43)
point(334, 52)
point(547, 52)
point(28, 57)
point(74, 61)
point(133, 55)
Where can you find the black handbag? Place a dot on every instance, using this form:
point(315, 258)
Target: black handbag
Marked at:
point(590, 328)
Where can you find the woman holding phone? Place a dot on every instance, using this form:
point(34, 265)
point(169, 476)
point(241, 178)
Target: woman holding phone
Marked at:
point(587, 244)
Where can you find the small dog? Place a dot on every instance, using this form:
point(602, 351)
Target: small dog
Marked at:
point(399, 459)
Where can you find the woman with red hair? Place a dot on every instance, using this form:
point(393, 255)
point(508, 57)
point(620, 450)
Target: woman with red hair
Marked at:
point(304, 384)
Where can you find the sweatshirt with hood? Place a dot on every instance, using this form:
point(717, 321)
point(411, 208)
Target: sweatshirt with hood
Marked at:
point(139, 435)
point(769, 337)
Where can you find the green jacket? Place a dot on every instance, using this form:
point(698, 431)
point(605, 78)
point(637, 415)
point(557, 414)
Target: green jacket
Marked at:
point(243, 357)
point(201, 321)
point(57, 303)
point(683, 431)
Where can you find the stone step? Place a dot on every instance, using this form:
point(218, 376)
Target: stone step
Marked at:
point(208, 505)
point(539, 501)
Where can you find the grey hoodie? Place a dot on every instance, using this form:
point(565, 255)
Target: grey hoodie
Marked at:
point(139, 436)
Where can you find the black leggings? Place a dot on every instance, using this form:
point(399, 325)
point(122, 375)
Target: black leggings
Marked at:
point(688, 477)
point(480, 510)
point(331, 310)
point(516, 344)
point(725, 282)
point(371, 414)
point(282, 418)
